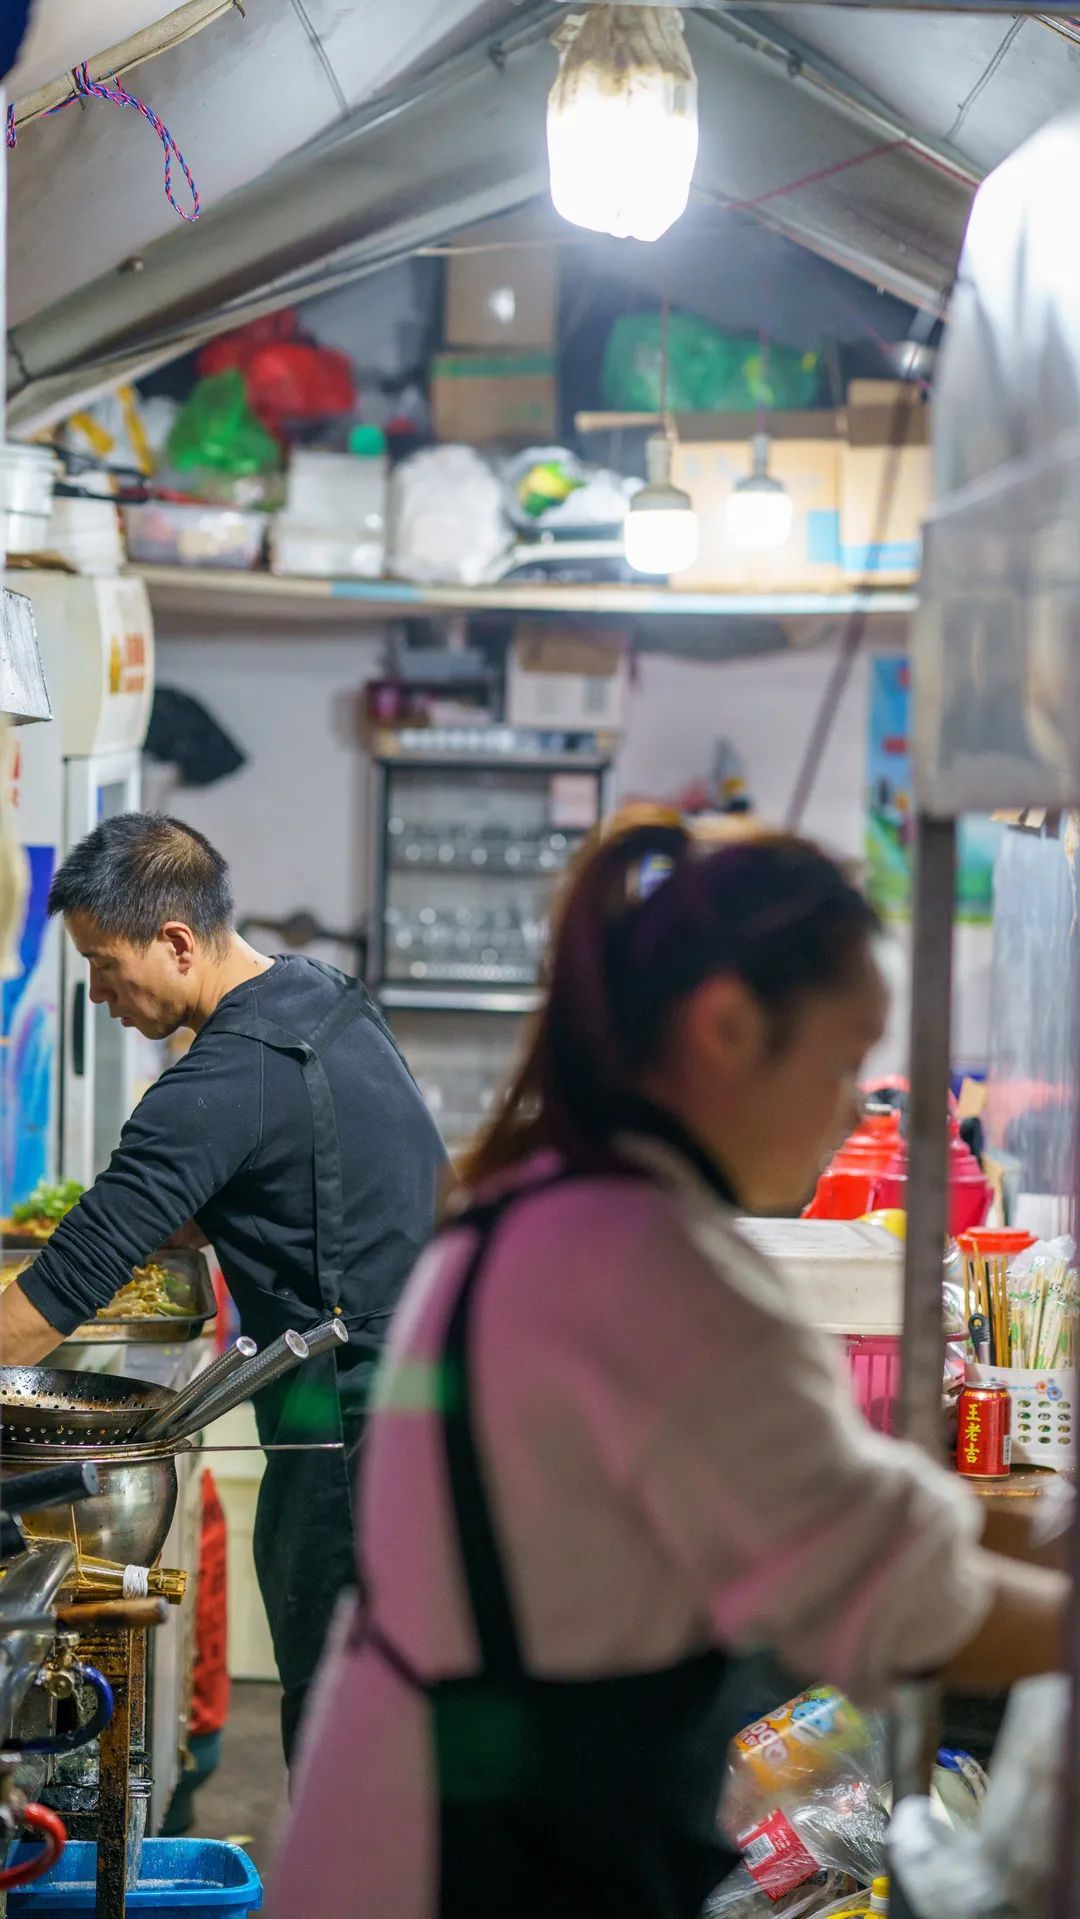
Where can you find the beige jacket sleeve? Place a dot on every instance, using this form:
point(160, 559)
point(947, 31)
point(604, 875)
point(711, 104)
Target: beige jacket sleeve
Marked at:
point(851, 1555)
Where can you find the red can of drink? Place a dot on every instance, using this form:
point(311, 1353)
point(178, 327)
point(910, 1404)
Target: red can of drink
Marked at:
point(984, 1435)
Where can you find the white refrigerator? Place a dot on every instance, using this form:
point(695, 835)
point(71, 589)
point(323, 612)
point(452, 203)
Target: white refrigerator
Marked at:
point(70, 1076)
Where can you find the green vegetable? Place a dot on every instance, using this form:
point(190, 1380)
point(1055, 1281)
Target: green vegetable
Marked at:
point(48, 1202)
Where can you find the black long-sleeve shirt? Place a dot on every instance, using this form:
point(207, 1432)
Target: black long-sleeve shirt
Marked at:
point(224, 1137)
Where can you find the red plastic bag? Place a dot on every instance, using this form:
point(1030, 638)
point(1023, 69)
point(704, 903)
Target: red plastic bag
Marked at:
point(210, 1689)
point(287, 378)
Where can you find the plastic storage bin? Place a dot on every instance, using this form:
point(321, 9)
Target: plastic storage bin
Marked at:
point(182, 533)
point(27, 475)
point(848, 1278)
point(874, 1365)
point(180, 1879)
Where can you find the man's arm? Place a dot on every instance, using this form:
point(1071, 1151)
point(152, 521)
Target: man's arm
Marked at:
point(26, 1336)
point(190, 1133)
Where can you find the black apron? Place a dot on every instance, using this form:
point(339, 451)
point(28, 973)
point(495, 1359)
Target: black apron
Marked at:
point(586, 1799)
point(304, 1538)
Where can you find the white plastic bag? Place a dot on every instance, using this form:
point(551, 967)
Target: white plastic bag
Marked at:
point(1003, 1870)
point(446, 524)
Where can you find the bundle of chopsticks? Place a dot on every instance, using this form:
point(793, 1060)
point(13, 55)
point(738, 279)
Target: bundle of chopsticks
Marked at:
point(1043, 1309)
point(1026, 1319)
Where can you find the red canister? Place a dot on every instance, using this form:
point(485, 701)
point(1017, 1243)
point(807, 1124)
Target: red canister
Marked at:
point(984, 1433)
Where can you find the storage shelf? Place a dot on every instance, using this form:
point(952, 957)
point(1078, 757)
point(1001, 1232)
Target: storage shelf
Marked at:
point(257, 597)
point(457, 999)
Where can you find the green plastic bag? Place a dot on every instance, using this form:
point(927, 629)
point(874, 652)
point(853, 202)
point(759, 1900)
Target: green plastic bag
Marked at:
point(708, 371)
point(216, 431)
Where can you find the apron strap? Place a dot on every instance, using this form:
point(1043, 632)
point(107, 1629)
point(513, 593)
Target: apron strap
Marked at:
point(485, 1577)
point(327, 1172)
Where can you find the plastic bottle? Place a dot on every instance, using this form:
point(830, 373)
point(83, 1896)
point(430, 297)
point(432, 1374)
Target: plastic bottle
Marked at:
point(862, 1904)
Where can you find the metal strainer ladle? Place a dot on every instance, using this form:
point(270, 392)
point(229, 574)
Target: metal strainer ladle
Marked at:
point(40, 1403)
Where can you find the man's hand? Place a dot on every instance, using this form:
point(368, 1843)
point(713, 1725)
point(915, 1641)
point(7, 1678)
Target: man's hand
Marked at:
point(26, 1337)
point(188, 1239)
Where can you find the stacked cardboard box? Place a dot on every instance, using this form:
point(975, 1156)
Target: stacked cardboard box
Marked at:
point(860, 486)
point(500, 317)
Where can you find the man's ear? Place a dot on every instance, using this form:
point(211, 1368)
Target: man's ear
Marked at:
point(182, 941)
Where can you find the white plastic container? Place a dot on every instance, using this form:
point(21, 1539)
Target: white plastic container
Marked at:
point(86, 533)
point(849, 1276)
point(185, 533)
point(334, 522)
point(338, 489)
point(324, 552)
point(1043, 1411)
point(27, 475)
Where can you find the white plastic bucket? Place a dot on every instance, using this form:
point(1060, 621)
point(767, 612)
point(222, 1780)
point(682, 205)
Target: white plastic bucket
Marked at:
point(27, 474)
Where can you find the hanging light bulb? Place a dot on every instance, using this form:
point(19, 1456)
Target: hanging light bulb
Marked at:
point(760, 510)
point(661, 528)
point(622, 126)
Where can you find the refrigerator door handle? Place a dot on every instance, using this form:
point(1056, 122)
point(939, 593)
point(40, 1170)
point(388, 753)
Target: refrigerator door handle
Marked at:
point(78, 1030)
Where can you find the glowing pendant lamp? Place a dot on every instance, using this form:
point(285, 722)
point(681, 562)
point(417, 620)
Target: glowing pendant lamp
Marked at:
point(622, 127)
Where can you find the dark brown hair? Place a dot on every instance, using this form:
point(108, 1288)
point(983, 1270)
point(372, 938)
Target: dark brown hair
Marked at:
point(650, 911)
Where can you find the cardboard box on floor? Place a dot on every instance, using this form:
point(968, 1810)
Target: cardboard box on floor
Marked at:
point(502, 289)
point(713, 454)
point(560, 679)
point(885, 489)
point(479, 397)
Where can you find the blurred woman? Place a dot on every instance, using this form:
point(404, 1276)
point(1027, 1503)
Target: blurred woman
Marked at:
point(608, 1455)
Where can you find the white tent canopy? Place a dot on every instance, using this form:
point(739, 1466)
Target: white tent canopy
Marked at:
point(328, 140)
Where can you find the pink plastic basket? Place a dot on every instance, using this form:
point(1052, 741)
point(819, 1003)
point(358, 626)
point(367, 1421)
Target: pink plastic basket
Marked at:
point(874, 1364)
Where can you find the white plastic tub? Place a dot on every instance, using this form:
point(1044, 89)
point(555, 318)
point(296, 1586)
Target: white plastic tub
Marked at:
point(337, 490)
point(27, 475)
point(325, 553)
point(86, 533)
point(185, 533)
point(848, 1279)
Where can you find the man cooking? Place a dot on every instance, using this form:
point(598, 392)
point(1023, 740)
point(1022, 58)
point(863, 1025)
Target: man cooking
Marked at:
point(294, 1137)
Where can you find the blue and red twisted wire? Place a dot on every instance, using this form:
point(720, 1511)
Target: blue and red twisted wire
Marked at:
point(118, 96)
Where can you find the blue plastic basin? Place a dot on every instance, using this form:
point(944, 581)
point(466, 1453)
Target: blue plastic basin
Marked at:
point(180, 1879)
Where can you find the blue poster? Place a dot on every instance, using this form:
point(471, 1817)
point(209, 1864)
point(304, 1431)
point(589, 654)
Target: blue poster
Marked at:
point(889, 814)
point(28, 1032)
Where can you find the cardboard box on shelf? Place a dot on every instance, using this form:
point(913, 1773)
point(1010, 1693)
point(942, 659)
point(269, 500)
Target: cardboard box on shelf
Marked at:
point(502, 289)
point(885, 488)
point(477, 397)
point(713, 454)
point(561, 679)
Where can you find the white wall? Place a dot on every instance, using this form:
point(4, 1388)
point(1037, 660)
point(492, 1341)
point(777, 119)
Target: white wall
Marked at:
point(765, 707)
point(294, 822)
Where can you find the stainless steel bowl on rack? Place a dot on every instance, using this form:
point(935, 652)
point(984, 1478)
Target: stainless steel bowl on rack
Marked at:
point(126, 1521)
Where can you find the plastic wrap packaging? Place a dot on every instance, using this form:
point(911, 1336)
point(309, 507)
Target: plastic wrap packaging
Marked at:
point(547, 488)
point(808, 1793)
point(740, 1897)
point(446, 524)
point(1003, 1870)
point(808, 1746)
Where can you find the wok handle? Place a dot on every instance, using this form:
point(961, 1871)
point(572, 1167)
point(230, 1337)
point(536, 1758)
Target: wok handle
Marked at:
point(166, 1419)
point(113, 1612)
point(52, 1486)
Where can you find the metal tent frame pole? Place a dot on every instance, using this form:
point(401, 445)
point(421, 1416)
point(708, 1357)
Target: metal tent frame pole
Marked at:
point(917, 1704)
